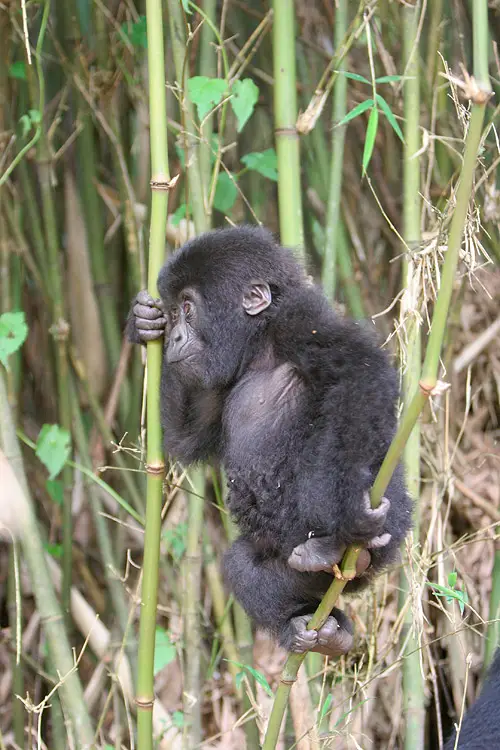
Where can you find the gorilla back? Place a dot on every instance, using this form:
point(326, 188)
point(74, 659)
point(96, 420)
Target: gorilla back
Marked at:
point(298, 405)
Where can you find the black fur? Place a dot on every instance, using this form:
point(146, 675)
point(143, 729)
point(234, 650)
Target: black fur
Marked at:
point(480, 728)
point(299, 406)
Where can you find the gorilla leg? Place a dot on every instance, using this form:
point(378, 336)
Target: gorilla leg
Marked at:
point(282, 600)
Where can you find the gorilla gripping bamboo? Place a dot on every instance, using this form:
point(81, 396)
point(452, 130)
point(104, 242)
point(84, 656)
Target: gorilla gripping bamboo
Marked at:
point(479, 90)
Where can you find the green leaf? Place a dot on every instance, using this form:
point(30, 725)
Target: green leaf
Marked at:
point(354, 76)
point(324, 708)
point(56, 490)
point(243, 100)
point(165, 650)
point(178, 214)
point(388, 79)
point(358, 110)
point(178, 719)
point(225, 193)
point(35, 116)
point(206, 93)
point(371, 134)
point(24, 125)
point(263, 162)
point(175, 540)
point(55, 550)
point(136, 32)
point(185, 5)
point(53, 448)
point(18, 70)
point(452, 579)
point(388, 113)
point(258, 676)
point(13, 333)
point(239, 679)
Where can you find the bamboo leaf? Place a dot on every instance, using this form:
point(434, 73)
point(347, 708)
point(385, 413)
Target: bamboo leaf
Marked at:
point(243, 100)
point(353, 76)
point(390, 116)
point(388, 79)
point(358, 110)
point(371, 134)
point(263, 162)
point(53, 448)
point(206, 93)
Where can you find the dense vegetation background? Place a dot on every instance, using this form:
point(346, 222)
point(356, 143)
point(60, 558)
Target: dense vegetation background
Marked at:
point(369, 188)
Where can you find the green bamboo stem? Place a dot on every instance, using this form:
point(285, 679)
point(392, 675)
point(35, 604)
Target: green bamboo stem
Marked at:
point(330, 258)
point(480, 95)
point(154, 454)
point(207, 67)
point(60, 652)
point(285, 116)
point(413, 686)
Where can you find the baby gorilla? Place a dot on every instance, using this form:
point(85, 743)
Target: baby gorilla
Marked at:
point(299, 407)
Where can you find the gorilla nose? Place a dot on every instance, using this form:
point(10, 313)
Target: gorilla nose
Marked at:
point(176, 345)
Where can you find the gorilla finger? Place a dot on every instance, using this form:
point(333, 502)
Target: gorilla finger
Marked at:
point(150, 335)
point(150, 325)
point(379, 514)
point(144, 298)
point(333, 639)
point(379, 541)
point(363, 562)
point(148, 313)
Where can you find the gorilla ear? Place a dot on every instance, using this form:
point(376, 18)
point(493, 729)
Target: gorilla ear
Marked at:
point(256, 298)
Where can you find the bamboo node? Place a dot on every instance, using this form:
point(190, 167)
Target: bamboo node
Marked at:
point(60, 330)
point(144, 702)
point(164, 183)
point(155, 469)
point(286, 131)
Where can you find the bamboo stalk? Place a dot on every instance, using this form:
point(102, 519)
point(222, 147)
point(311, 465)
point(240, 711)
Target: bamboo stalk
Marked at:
point(285, 116)
point(480, 92)
point(413, 684)
point(154, 456)
point(330, 258)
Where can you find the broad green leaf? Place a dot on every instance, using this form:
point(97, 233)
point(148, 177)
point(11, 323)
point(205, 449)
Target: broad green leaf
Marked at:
point(175, 540)
point(324, 708)
point(56, 490)
point(258, 676)
point(225, 193)
point(243, 100)
point(165, 650)
point(185, 5)
point(263, 162)
point(136, 32)
point(178, 719)
point(371, 134)
point(358, 110)
point(178, 214)
point(388, 79)
point(53, 448)
point(206, 93)
point(13, 333)
point(35, 116)
point(389, 114)
point(452, 579)
point(55, 550)
point(354, 76)
point(18, 70)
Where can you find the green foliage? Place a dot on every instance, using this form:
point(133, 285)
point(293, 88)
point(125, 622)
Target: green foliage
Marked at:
point(258, 676)
point(165, 650)
point(371, 134)
point(263, 162)
point(225, 193)
point(175, 541)
point(53, 448)
point(450, 592)
point(178, 719)
point(55, 550)
point(390, 116)
point(18, 70)
point(206, 93)
point(136, 33)
point(56, 490)
point(244, 98)
point(325, 707)
point(358, 110)
point(13, 333)
point(178, 215)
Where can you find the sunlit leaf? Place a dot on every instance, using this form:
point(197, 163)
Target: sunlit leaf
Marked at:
point(263, 162)
point(353, 76)
point(178, 719)
point(165, 650)
point(243, 100)
point(371, 134)
point(13, 333)
point(53, 448)
point(206, 93)
point(390, 116)
point(225, 193)
point(358, 110)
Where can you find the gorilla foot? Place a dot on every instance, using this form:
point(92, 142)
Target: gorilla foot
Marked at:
point(320, 553)
point(334, 638)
